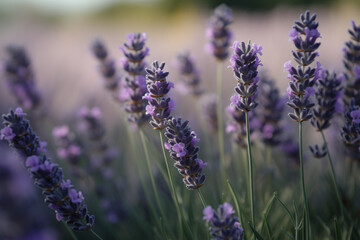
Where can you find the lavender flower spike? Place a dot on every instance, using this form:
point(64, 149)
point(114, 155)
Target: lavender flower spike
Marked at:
point(67, 203)
point(218, 32)
point(302, 78)
point(222, 224)
point(20, 77)
point(350, 132)
point(183, 150)
point(159, 106)
point(135, 52)
point(245, 62)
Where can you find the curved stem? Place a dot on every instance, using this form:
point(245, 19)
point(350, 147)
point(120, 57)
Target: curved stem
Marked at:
point(308, 231)
point(201, 197)
point(336, 186)
point(251, 177)
point(95, 234)
point(220, 120)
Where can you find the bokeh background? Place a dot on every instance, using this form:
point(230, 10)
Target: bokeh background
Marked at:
point(57, 35)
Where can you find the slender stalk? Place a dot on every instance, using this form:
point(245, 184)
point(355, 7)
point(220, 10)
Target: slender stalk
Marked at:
point(251, 177)
point(336, 186)
point(148, 163)
point(308, 230)
point(69, 230)
point(95, 234)
point(201, 197)
point(180, 217)
point(220, 120)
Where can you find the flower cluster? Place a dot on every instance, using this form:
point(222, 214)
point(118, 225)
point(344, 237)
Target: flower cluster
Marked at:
point(67, 203)
point(107, 65)
point(327, 95)
point(317, 152)
point(189, 74)
point(352, 65)
point(304, 35)
point(210, 103)
point(222, 224)
point(237, 125)
point(20, 77)
point(133, 63)
point(350, 132)
point(245, 62)
point(218, 32)
point(91, 122)
point(270, 112)
point(183, 150)
point(159, 106)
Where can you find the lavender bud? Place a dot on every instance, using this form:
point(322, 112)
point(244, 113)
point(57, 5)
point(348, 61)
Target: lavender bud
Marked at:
point(245, 62)
point(183, 150)
point(67, 203)
point(317, 152)
point(91, 122)
point(304, 35)
point(221, 223)
point(218, 32)
point(134, 64)
point(352, 64)
point(159, 106)
point(350, 132)
point(189, 73)
point(20, 77)
point(327, 95)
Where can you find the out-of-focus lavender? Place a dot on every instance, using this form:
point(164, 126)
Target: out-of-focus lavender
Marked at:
point(317, 152)
point(352, 65)
point(20, 77)
point(68, 204)
point(159, 105)
point(209, 105)
point(189, 74)
point(350, 132)
point(222, 224)
point(302, 78)
point(135, 52)
point(219, 33)
point(270, 112)
point(245, 63)
point(183, 150)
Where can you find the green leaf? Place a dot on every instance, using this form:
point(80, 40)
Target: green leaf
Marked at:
point(287, 210)
point(257, 235)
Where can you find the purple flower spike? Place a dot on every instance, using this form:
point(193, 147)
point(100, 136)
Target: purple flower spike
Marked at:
point(48, 176)
point(350, 132)
point(20, 77)
point(91, 122)
point(159, 106)
point(221, 223)
point(183, 150)
point(303, 77)
point(134, 64)
point(218, 32)
point(245, 62)
point(209, 105)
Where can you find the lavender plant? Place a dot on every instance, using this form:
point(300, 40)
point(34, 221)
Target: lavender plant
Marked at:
point(135, 52)
point(20, 77)
point(245, 62)
point(352, 65)
point(222, 224)
point(189, 74)
point(68, 204)
point(304, 35)
point(350, 132)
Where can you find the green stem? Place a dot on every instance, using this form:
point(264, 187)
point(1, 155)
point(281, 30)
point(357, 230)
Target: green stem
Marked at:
point(95, 234)
point(201, 197)
point(220, 120)
point(333, 175)
point(251, 177)
point(308, 230)
point(69, 230)
point(180, 217)
point(148, 163)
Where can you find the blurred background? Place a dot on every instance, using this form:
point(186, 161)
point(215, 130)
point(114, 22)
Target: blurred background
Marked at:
point(58, 34)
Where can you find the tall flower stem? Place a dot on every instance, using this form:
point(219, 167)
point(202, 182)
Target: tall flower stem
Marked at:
point(180, 217)
point(96, 235)
point(203, 202)
point(336, 186)
point(302, 178)
point(220, 120)
point(148, 163)
point(251, 177)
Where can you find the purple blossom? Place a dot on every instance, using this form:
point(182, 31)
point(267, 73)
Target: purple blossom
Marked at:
point(32, 163)
point(355, 116)
point(179, 149)
point(7, 134)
